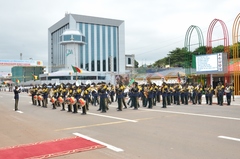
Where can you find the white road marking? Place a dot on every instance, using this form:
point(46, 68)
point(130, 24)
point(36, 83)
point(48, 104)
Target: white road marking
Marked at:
point(100, 142)
point(193, 114)
point(229, 138)
point(112, 117)
point(18, 111)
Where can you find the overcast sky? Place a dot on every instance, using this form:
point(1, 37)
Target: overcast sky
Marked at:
point(152, 27)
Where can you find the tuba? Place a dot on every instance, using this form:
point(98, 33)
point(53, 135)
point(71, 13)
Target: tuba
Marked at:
point(145, 92)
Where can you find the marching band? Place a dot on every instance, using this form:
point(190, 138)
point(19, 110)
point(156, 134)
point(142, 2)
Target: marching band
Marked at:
point(80, 96)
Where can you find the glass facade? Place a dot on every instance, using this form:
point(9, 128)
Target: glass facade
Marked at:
point(57, 52)
point(67, 37)
point(103, 50)
point(100, 50)
point(77, 37)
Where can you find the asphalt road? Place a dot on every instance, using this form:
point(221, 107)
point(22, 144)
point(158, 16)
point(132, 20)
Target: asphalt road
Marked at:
point(177, 132)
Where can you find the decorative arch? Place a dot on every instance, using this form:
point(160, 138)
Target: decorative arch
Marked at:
point(226, 44)
point(189, 34)
point(236, 68)
point(187, 45)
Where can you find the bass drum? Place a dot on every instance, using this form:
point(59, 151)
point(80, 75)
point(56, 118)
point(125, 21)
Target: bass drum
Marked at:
point(82, 102)
point(67, 101)
point(72, 100)
point(40, 97)
point(60, 100)
point(52, 100)
point(35, 97)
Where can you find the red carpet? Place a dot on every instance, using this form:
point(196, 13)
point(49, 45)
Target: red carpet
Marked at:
point(49, 149)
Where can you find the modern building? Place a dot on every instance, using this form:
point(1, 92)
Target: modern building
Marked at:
point(26, 73)
point(104, 44)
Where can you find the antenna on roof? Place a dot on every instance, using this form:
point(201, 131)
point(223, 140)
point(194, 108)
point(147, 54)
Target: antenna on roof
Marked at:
point(66, 13)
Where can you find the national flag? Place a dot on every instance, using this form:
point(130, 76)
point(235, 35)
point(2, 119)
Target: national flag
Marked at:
point(178, 78)
point(131, 82)
point(76, 69)
point(35, 77)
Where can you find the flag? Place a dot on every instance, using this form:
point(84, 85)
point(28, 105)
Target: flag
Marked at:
point(34, 77)
point(131, 82)
point(178, 78)
point(76, 69)
point(17, 81)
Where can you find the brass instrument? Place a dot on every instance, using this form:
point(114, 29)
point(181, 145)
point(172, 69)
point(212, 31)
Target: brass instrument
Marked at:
point(146, 90)
point(227, 90)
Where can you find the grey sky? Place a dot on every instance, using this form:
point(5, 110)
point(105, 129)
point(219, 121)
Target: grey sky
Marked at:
point(152, 27)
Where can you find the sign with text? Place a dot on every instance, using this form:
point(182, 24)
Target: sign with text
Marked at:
point(21, 63)
point(211, 63)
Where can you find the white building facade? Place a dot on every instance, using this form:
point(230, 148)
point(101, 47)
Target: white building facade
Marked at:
point(104, 48)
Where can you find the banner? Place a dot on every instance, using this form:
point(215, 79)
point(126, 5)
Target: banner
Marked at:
point(21, 63)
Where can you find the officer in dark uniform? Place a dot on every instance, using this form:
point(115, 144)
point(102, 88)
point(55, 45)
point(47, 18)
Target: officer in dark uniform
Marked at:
point(182, 94)
point(186, 94)
point(199, 94)
point(86, 95)
point(103, 95)
point(16, 96)
point(154, 89)
point(150, 95)
point(70, 94)
point(112, 93)
point(143, 95)
point(164, 91)
point(158, 93)
point(194, 95)
point(95, 96)
point(135, 95)
point(220, 93)
point(45, 96)
point(63, 95)
point(210, 94)
point(207, 94)
point(55, 95)
point(119, 96)
point(228, 93)
point(177, 94)
point(33, 92)
point(77, 96)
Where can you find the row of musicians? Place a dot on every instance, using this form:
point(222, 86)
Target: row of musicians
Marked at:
point(176, 94)
point(70, 96)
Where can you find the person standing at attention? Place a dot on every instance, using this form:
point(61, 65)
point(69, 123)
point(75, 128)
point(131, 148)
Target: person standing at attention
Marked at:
point(16, 97)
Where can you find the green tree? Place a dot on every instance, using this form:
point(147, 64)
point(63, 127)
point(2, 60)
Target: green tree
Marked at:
point(200, 50)
point(136, 64)
point(217, 49)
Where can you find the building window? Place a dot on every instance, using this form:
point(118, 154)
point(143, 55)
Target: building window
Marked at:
point(101, 77)
point(129, 61)
point(76, 37)
point(67, 38)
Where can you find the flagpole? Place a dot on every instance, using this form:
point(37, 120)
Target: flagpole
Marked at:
point(75, 63)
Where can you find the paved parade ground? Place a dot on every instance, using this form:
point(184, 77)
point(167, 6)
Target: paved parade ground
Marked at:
point(177, 132)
